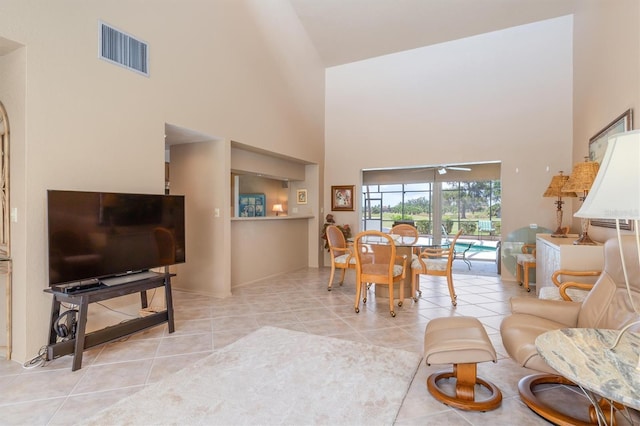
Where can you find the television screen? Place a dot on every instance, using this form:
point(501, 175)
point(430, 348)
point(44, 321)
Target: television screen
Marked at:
point(94, 235)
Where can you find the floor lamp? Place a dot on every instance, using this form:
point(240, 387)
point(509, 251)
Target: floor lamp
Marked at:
point(555, 190)
point(580, 182)
point(615, 194)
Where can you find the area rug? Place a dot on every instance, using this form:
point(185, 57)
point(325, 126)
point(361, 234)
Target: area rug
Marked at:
point(275, 376)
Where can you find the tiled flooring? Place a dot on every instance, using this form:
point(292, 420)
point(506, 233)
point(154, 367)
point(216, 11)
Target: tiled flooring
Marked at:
point(53, 395)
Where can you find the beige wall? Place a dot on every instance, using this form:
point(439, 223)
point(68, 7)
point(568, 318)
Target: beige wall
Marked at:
point(503, 96)
point(606, 74)
point(90, 125)
point(278, 245)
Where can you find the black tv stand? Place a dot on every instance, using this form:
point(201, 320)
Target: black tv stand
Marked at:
point(82, 341)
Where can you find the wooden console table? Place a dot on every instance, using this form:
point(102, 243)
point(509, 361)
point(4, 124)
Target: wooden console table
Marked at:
point(82, 341)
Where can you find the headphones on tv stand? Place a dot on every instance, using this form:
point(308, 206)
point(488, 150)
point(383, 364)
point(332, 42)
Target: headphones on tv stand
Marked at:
point(66, 324)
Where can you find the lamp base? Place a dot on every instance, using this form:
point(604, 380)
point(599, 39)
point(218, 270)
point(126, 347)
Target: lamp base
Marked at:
point(585, 240)
point(560, 233)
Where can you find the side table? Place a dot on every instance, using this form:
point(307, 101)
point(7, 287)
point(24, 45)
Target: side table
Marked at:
point(582, 355)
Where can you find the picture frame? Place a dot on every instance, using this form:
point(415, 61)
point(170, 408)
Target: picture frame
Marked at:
point(251, 205)
point(301, 196)
point(342, 197)
point(598, 142)
point(597, 148)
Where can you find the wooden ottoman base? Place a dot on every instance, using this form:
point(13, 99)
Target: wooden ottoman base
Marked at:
point(466, 379)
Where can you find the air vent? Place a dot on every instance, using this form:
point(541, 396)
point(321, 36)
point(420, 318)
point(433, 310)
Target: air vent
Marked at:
point(123, 49)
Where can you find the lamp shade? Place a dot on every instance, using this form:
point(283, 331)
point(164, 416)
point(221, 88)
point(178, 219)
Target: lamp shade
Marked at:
point(582, 177)
point(615, 193)
point(277, 208)
point(555, 188)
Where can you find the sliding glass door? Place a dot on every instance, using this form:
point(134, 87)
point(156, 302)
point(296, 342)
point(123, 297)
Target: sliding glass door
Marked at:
point(435, 202)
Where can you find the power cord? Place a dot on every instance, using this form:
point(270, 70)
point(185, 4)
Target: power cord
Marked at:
point(38, 361)
point(115, 310)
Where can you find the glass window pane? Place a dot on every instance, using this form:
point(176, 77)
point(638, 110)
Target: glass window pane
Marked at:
point(390, 188)
point(417, 187)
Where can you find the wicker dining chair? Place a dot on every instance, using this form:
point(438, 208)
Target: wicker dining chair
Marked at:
point(436, 261)
point(377, 262)
point(340, 253)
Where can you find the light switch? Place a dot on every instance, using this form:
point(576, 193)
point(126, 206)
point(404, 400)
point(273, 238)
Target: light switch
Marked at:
point(216, 212)
point(14, 214)
point(295, 210)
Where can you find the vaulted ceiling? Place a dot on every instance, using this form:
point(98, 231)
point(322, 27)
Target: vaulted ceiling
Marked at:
point(346, 31)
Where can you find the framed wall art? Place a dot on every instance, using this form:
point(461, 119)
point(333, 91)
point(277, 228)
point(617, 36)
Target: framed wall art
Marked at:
point(597, 148)
point(342, 197)
point(598, 143)
point(301, 196)
point(251, 205)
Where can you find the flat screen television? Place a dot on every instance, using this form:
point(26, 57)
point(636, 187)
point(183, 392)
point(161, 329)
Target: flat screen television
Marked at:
point(96, 235)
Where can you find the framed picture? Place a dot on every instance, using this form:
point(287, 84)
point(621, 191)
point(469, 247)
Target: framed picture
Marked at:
point(342, 197)
point(251, 205)
point(598, 143)
point(301, 196)
point(597, 148)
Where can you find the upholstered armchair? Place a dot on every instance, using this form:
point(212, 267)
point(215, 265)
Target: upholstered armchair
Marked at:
point(566, 287)
point(607, 306)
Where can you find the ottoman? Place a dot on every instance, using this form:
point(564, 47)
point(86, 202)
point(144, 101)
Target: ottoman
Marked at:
point(463, 342)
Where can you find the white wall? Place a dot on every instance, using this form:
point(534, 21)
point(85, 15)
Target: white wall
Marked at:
point(607, 74)
point(503, 96)
point(90, 125)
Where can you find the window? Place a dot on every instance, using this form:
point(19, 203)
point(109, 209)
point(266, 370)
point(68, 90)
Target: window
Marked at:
point(385, 204)
point(468, 199)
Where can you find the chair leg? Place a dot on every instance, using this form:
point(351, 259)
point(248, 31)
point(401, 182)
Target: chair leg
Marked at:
point(391, 311)
point(452, 291)
point(333, 271)
point(401, 301)
point(342, 276)
point(525, 271)
point(414, 278)
point(518, 274)
point(358, 289)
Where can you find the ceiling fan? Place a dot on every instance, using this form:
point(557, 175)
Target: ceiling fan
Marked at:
point(443, 169)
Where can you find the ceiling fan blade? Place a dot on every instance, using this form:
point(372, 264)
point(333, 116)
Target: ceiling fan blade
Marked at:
point(463, 169)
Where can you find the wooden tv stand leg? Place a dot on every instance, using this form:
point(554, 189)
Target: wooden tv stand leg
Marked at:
point(169, 302)
point(81, 327)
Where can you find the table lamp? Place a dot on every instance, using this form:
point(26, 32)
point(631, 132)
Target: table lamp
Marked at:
point(277, 208)
point(580, 181)
point(555, 189)
point(615, 194)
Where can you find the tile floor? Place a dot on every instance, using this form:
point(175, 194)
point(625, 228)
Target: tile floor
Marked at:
point(53, 395)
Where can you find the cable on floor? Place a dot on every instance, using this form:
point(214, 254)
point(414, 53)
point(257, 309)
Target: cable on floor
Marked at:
point(38, 361)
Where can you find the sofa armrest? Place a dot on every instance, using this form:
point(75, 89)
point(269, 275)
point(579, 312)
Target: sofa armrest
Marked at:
point(563, 312)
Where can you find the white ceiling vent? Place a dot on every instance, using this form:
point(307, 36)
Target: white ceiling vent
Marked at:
point(123, 49)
